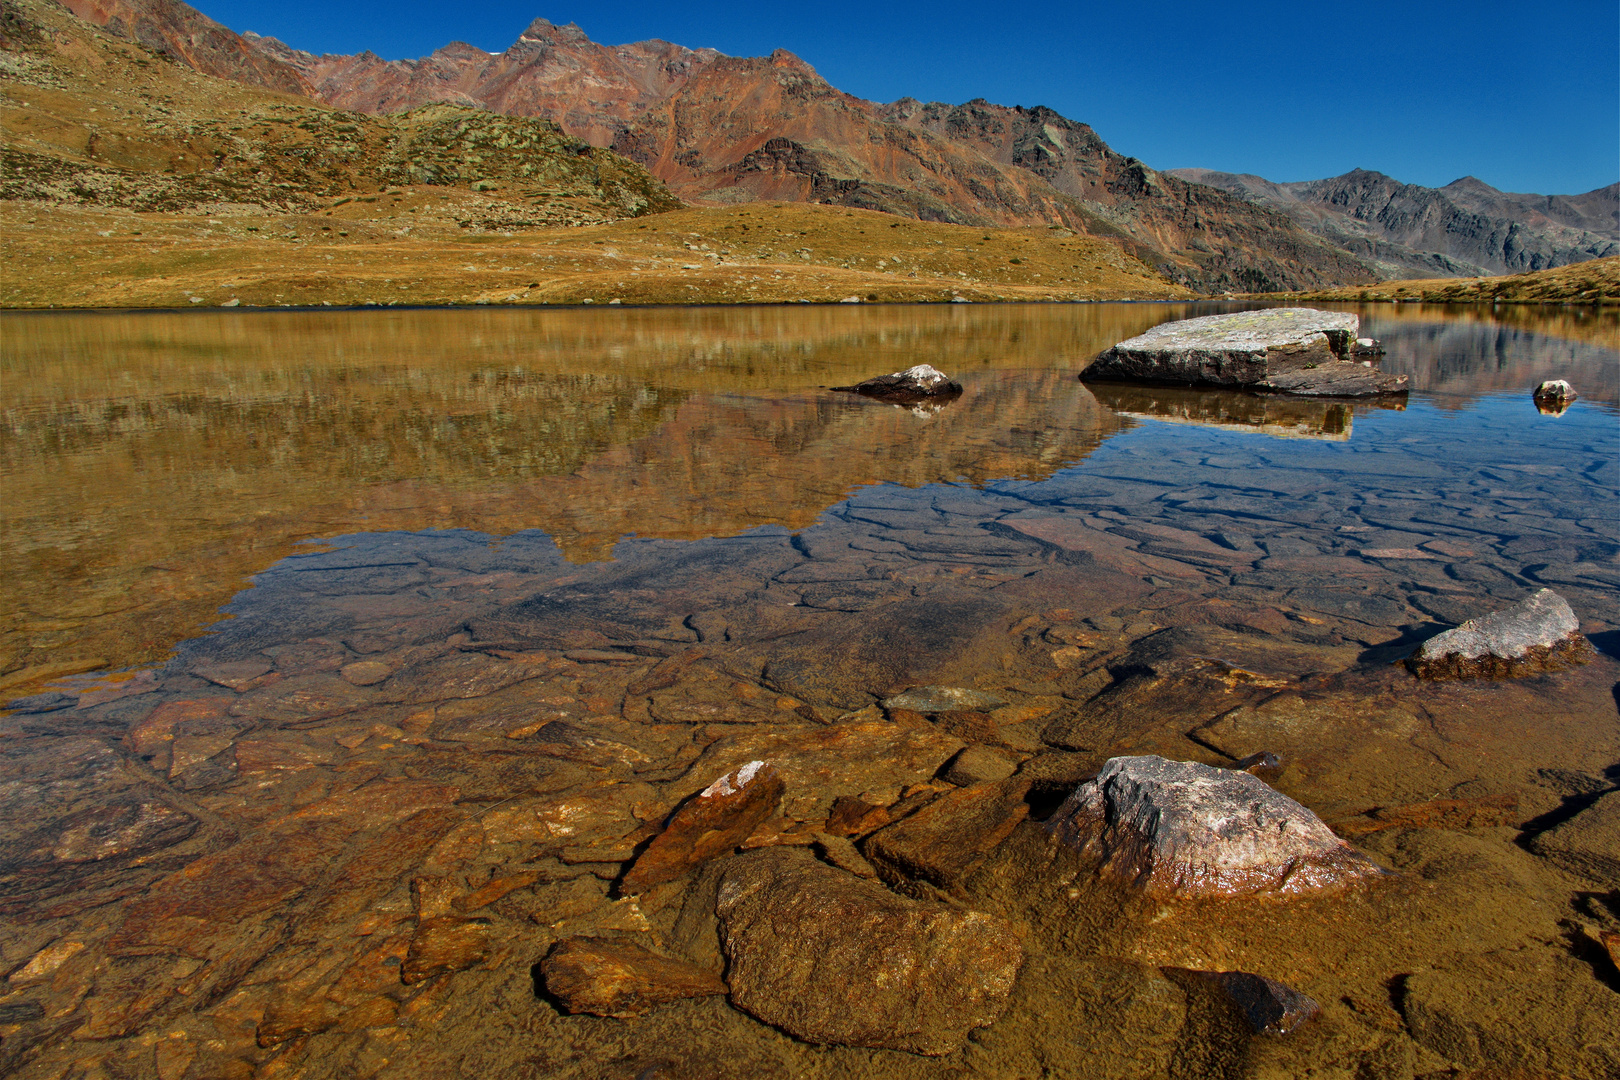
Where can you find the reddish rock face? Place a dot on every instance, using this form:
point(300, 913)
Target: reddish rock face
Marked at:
point(617, 978)
point(715, 821)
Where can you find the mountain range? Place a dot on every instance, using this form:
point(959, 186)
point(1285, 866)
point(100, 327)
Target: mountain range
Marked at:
point(722, 129)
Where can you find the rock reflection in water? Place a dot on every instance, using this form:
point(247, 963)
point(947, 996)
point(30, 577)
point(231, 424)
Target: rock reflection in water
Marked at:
point(1267, 414)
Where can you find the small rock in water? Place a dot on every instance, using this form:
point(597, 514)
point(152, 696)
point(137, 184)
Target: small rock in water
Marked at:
point(712, 823)
point(1287, 350)
point(946, 840)
point(1269, 1007)
point(607, 977)
point(917, 383)
point(830, 958)
point(1554, 397)
point(443, 944)
point(1535, 635)
point(938, 699)
point(1181, 828)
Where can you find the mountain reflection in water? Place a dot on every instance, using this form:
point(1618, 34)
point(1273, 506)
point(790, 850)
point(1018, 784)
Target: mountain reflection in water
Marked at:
point(152, 462)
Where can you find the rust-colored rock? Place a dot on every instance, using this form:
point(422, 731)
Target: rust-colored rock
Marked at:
point(1267, 1006)
point(951, 836)
point(444, 944)
point(715, 821)
point(831, 958)
point(1477, 813)
point(851, 816)
point(610, 977)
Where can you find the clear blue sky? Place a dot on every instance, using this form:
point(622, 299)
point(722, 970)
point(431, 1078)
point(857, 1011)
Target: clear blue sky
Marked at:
point(1525, 96)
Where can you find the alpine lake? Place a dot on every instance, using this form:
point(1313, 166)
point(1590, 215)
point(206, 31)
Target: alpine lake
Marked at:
point(360, 654)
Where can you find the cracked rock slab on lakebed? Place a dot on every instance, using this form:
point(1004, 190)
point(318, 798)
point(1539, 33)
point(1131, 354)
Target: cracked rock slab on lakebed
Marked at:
point(832, 958)
point(1282, 350)
point(1185, 829)
point(1539, 633)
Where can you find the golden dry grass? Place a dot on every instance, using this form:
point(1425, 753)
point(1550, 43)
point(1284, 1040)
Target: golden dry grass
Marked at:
point(408, 248)
point(1593, 282)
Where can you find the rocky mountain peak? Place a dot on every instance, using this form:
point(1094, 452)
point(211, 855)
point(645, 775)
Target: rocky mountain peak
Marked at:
point(1471, 184)
point(544, 30)
point(460, 50)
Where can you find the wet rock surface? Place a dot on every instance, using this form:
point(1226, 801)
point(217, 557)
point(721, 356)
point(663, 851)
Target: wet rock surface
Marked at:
point(1285, 350)
point(1540, 633)
point(608, 977)
point(1179, 828)
point(801, 938)
point(1269, 1007)
point(715, 821)
point(1588, 844)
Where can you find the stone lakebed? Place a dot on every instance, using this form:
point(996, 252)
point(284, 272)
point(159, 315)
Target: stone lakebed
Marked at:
point(852, 799)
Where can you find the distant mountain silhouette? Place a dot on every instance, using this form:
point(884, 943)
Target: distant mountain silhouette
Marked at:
point(1464, 228)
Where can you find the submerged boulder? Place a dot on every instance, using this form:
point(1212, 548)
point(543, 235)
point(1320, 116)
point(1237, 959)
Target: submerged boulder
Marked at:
point(831, 958)
point(921, 382)
point(1267, 1006)
point(609, 977)
point(1186, 829)
point(1539, 633)
point(1284, 350)
point(712, 823)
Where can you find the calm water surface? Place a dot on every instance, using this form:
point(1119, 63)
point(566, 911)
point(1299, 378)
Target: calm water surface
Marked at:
point(501, 588)
point(153, 462)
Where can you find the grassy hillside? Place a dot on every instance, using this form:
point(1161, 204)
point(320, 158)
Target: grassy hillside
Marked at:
point(132, 180)
point(1596, 281)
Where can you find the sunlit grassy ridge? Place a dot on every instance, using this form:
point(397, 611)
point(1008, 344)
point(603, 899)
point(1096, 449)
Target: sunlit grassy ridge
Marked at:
point(130, 180)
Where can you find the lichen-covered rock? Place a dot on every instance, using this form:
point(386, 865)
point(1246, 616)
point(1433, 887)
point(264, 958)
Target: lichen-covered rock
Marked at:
point(917, 383)
point(831, 958)
point(1185, 829)
point(1285, 350)
point(1539, 633)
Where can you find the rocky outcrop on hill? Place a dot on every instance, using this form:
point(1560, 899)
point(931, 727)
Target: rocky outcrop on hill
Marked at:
point(1463, 229)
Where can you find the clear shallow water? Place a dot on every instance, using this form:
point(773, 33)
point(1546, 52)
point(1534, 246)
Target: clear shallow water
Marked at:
point(153, 462)
point(439, 534)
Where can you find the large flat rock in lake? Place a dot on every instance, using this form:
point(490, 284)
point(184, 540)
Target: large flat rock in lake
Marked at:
point(1281, 350)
